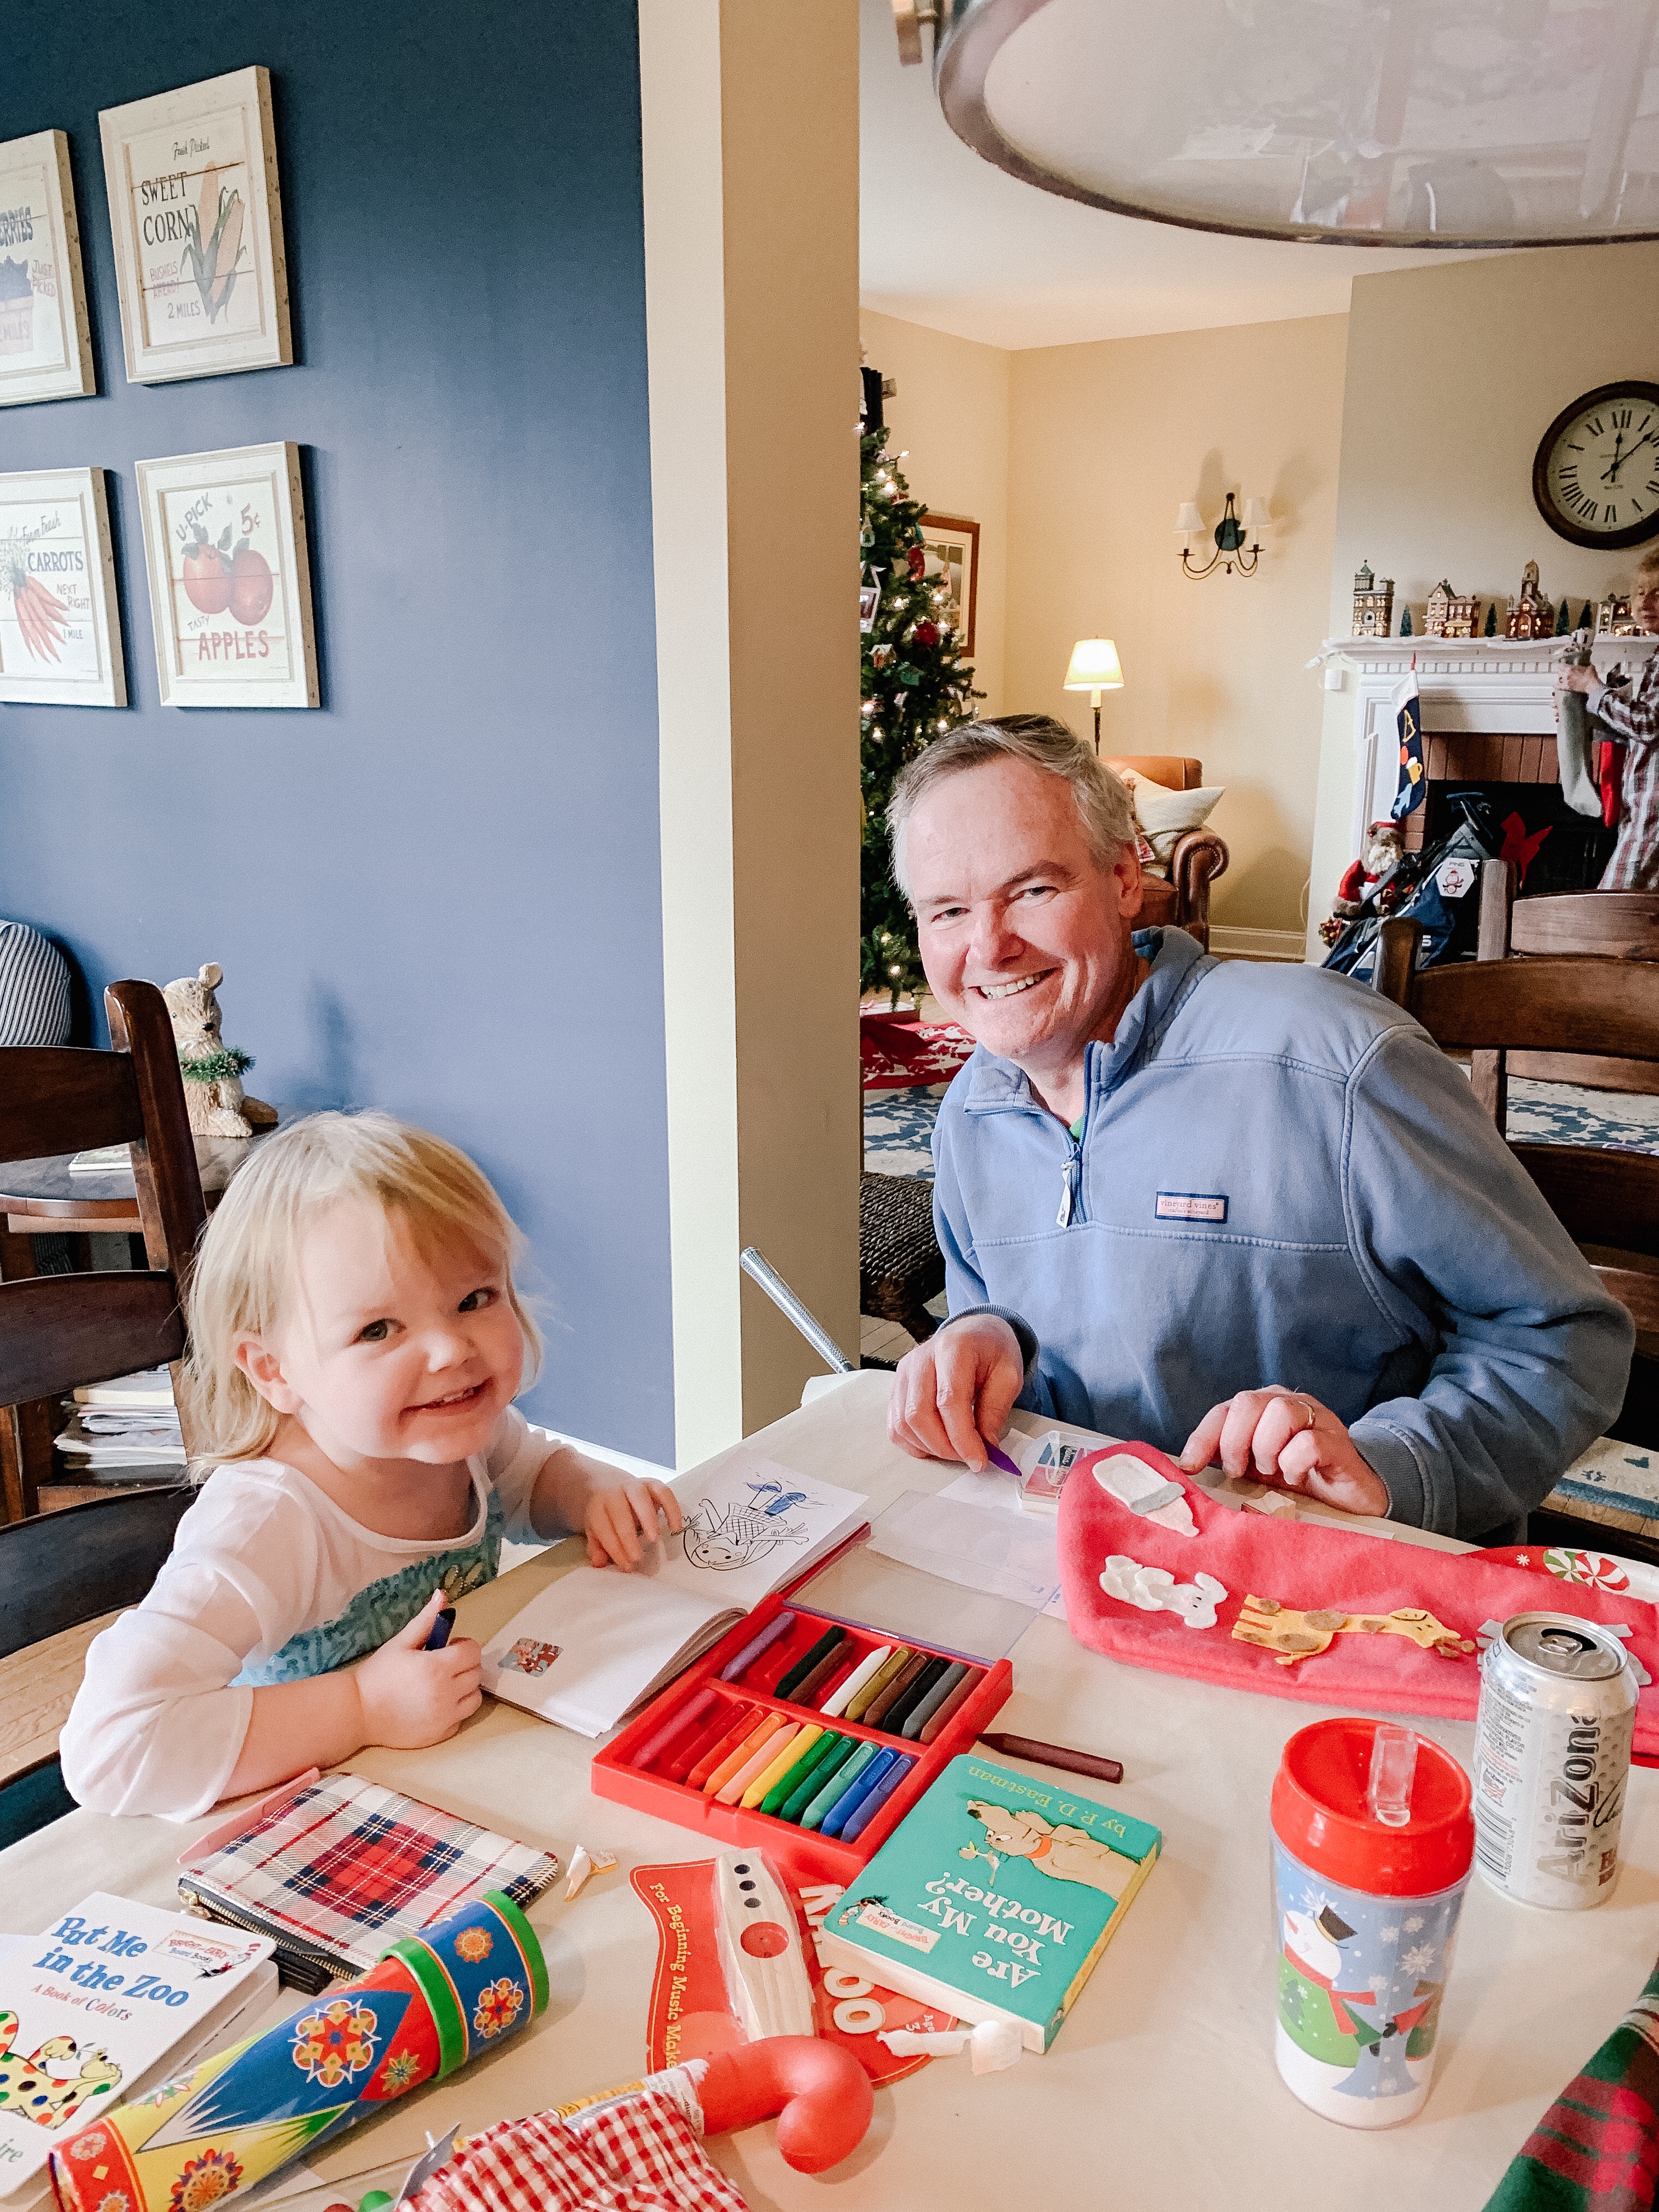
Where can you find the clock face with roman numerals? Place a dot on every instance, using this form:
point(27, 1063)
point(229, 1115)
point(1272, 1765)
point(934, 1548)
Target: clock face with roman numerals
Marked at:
point(1597, 475)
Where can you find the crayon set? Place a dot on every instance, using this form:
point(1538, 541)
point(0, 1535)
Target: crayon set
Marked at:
point(802, 1737)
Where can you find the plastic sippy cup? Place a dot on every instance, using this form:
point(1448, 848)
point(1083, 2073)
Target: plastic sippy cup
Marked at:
point(1373, 1840)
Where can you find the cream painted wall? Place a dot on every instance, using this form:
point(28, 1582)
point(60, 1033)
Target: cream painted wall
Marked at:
point(951, 414)
point(1105, 441)
point(1454, 374)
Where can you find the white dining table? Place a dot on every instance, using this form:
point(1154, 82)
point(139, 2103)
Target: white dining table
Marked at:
point(1160, 2089)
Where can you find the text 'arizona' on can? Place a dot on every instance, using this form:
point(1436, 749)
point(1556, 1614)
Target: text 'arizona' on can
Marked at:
point(1551, 1756)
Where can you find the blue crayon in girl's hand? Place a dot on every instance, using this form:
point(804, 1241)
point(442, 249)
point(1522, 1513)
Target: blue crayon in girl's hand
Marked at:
point(835, 1820)
point(440, 1628)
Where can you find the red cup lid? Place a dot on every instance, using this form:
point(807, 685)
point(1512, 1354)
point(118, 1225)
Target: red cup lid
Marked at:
point(1319, 1813)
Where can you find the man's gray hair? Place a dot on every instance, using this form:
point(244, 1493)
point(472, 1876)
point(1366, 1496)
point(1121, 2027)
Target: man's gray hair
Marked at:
point(1104, 804)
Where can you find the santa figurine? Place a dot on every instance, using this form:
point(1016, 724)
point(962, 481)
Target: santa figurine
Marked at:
point(1365, 885)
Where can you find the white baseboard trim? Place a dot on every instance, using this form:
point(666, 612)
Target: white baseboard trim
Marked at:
point(1259, 943)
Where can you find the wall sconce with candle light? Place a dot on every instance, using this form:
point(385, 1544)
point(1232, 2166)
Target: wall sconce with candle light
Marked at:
point(1230, 534)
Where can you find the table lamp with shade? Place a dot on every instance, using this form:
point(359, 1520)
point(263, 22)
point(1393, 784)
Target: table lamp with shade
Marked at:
point(1094, 668)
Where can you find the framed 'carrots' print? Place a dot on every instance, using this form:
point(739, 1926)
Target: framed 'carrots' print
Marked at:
point(45, 347)
point(197, 224)
point(230, 578)
point(60, 624)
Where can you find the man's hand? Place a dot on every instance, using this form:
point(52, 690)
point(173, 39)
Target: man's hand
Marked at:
point(1289, 1442)
point(1576, 679)
point(956, 1391)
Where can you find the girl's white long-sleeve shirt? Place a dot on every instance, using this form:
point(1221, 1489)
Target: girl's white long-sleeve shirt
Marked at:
point(268, 1581)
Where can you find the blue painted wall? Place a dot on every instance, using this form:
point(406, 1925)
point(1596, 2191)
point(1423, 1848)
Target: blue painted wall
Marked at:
point(439, 894)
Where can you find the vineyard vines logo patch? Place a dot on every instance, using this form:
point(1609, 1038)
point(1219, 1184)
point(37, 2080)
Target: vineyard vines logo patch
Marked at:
point(1192, 1206)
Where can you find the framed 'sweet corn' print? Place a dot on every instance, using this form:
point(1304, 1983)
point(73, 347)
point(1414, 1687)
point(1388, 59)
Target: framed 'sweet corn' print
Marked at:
point(45, 346)
point(230, 579)
point(60, 626)
point(197, 224)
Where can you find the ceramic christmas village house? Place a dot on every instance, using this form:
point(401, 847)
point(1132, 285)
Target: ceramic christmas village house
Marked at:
point(1373, 604)
point(1448, 615)
point(1531, 615)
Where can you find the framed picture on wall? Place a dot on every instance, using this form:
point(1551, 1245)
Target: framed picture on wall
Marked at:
point(230, 578)
point(197, 224)
point(45, 346)
point(951, 544)
point(60, 627)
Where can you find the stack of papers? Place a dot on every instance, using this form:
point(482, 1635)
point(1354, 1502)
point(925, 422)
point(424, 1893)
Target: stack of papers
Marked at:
point(126, 1429)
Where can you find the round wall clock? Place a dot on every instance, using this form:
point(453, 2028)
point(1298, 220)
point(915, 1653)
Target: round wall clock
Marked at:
point(1597, 475)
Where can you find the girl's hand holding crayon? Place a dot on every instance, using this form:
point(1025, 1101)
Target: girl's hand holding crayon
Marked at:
point(411, 1697)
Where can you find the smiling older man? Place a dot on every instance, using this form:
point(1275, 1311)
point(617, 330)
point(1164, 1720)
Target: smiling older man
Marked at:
point(1238, 1211)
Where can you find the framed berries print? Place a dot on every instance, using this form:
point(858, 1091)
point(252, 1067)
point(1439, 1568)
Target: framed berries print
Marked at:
point(229, 579)
point(197, 224)
point(45, 347)
point(60, 626)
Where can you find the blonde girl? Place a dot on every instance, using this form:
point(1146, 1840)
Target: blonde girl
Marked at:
point(356, 1343)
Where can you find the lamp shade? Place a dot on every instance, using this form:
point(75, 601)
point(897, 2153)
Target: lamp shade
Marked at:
point(1189, 521)
point(1256, 516)
point(1094, 666)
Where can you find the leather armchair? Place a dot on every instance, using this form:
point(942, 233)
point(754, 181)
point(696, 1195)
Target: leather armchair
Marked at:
point(1199, 856)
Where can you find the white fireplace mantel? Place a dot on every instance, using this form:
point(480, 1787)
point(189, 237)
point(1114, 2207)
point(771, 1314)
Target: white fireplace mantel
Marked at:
point(1465, 683)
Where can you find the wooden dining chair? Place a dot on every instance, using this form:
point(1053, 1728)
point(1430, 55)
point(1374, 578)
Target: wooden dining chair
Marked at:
point(57, 1331)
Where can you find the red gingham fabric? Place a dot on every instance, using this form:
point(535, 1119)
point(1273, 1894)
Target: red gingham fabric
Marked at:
point(639, 2155)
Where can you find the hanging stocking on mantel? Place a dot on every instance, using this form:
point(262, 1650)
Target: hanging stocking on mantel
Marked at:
point(1574, 742)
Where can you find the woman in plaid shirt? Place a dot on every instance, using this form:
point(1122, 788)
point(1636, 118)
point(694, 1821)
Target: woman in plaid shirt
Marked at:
point(1634, 719)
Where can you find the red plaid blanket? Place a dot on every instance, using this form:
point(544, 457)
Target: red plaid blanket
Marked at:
point(640, 2154)
point(1596, 2149)
point(899, 1051)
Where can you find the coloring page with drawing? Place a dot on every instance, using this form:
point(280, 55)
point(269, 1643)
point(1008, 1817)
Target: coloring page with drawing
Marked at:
point(751, 1525)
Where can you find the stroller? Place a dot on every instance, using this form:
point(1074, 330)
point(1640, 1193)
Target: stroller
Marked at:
point(1432, 887)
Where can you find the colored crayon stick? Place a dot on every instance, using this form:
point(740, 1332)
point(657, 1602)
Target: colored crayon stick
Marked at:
point(867, 1807)
point(847, 1664)
point(1057, 1754)
point(768, 1725)
point(681, 1718)
point(758, 1760)
point(837, 1785)
point(897, 1686)
point(798, 1799)
point(857, 1707)
point(835, 1820)
point(775, 1770)
point(734, 1669)
point(809, 1685)
point(871, 1663)
point(803, 1667)
point(964, 1690)
point(786, 1786)
point(906, 1702)
point(683, 1756)
point(747, 1718)
point(920, 1714)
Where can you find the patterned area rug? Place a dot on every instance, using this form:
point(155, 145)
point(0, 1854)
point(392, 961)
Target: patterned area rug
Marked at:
point(898, 1124)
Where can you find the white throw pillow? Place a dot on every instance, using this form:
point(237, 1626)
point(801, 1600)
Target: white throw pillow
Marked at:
point(1166, 816)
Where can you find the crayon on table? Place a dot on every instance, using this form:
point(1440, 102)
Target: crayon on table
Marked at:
point(681, 1718)
point(1056, 1754)
point(897, 1686)
point(757, 1763)
point(681, 1757)
point(798, 1799)
point(857, 1707)
point(918, 1714)
point(803, 1667)
point(775, 1770)
point(871, 1663)
point(958, 1697)
point(912, 1695)
point(835, 1820)
point(752, 1650)
point(838, 1784)
point(743, 1724)
point(846, 1662)
point(868, 1807)
point(768, 1725)
point(786, 1784)
point(809, 1685)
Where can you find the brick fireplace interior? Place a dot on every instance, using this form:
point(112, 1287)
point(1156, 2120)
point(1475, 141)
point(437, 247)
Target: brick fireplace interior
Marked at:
point(1515, 775)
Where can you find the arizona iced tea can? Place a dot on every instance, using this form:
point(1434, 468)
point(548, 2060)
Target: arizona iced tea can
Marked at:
point(435, 2001)
point(1551, 1756)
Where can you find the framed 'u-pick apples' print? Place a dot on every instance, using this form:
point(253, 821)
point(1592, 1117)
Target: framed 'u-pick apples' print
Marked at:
point(45, 348)
point(197, 224)
point(60, 628)
point(229, 580)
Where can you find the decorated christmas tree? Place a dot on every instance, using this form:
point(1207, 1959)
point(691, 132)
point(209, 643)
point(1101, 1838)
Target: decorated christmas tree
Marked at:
point(915, 686)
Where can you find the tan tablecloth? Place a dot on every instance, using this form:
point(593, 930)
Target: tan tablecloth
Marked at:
point(1160, 2089)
